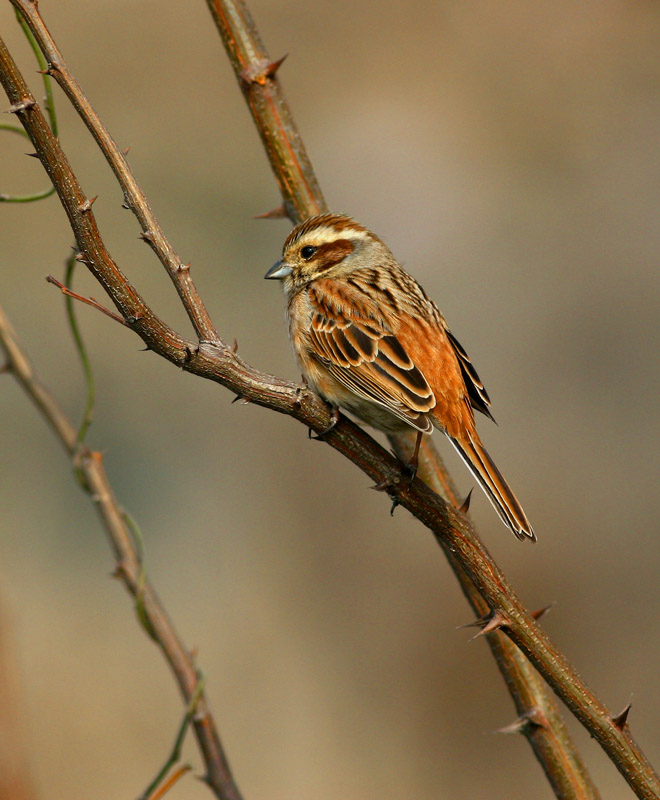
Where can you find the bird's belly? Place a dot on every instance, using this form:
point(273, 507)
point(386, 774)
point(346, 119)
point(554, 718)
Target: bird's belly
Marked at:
point(338, 395)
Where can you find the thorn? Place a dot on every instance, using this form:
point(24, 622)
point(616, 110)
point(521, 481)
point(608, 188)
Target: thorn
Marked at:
point(491, 622)
point(466, 503)
point(382, 486)
point(260, 73)
point(50, 69)
point(273, 67)
point(395, 502)
point(24, 105)
point(275, 213)
point(32, 155)
point(87, 205)
point(126, 150)
point(183, 268)
point(244, 400)
point(620, 720)
point(147, 236)
point(119, 571)
point(234, 347)
point(126, 206)
point(533, 718)
point(542, 611)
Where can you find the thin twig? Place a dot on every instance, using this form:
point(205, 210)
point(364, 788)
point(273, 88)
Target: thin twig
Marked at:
point(90, 301)
point(159, 786)
point(129, 568)
point(50, 106)
point(134, 197)
point(83, 355)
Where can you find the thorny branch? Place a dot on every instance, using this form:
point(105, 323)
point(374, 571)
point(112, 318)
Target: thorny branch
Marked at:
point(129, 568)
point(213, 359)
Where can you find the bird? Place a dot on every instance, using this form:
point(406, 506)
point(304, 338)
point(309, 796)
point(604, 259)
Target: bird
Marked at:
point(369, 340)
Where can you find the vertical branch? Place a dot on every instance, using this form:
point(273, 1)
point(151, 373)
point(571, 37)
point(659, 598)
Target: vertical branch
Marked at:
point(256, 74)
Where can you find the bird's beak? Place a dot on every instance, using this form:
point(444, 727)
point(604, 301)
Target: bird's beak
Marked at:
point(278, 271)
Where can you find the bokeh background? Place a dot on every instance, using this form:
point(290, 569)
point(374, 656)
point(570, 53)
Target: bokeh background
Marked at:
point(508, 153)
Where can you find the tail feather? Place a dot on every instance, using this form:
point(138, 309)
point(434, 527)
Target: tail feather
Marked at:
point(497, 490)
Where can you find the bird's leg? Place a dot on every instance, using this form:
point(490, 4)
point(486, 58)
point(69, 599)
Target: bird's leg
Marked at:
point(334, 419)
point(409, 472)
point(410, 469)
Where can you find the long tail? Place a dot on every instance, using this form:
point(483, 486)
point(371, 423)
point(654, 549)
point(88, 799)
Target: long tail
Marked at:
point(497, 490)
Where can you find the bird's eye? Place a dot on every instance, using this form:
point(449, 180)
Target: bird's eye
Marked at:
point(308, 251)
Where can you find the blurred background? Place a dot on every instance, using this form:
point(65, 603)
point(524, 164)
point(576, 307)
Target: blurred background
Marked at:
point(508, 154)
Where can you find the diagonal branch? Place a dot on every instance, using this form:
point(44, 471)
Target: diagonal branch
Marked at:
point(134, 197)
point(217, 362)
point(551, 741)
point(129, 568)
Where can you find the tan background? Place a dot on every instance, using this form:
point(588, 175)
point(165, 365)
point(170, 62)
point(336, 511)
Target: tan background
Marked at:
point(508, 153)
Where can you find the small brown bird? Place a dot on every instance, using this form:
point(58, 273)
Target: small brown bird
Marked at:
point(368, 339)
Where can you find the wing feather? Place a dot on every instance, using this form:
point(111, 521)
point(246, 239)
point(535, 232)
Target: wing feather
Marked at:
point(476, 390)
point(374, 364)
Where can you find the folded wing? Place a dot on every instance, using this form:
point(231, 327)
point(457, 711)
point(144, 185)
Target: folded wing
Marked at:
point(373, 363)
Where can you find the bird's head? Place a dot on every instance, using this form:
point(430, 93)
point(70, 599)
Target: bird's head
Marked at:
point(326, 246)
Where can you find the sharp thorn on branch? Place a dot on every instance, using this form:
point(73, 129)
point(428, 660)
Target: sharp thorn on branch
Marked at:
point(534, 717)
point(465, 506)
point(23, 105)
point(271, 69)
point(395, 502)
point(275, 213)
point(491, 622)
point(260, 74)
point(542, 611)
point(183, 268)
point(234, 347)
point(87, 205)
point(32, 155)
point(621, 719)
